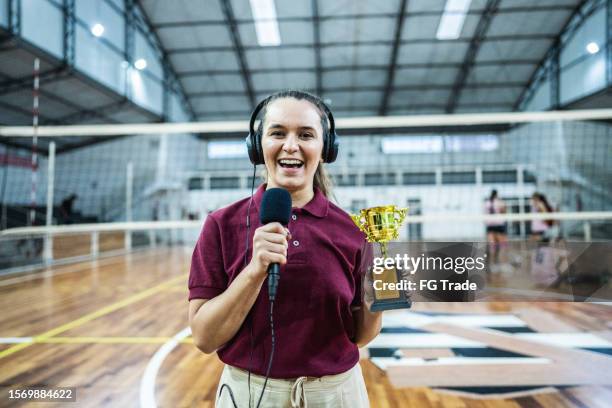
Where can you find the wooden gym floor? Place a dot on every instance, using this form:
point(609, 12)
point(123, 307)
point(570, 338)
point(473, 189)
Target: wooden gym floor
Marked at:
point(115, 330)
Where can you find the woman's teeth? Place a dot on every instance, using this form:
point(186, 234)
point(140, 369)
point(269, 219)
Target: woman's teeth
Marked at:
point(290, 163)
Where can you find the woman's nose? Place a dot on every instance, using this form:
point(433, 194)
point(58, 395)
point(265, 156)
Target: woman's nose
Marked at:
point(291, 144)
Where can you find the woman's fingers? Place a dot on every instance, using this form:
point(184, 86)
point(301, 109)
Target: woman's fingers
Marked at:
point(276, 258)
point(275, 248)
point(273, 227)
point(274, 237)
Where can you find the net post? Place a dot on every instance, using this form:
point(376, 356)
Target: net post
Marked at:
point(48, 241)
point(587, 231)
point(95, 244)
point(128, 203)
point(152, 241)
point(520, 181)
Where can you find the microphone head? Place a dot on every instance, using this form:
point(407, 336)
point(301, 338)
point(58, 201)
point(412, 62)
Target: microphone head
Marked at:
point(275, 206)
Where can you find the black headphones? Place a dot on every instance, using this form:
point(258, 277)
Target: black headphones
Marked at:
point(330, 138)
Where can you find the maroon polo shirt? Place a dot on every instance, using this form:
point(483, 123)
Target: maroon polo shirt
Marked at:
point(318, 288)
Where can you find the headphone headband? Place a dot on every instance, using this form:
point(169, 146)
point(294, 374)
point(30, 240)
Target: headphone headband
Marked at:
point(330, 139)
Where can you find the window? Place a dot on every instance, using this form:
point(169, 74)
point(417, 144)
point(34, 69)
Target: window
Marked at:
point(217, 183)
point(499, 176)
point(379, 179)
point(474, 143)
point(529, 177)
point(227, 149)
point(345, 180)
point(418, 178)
point(460, 177)
point(195, 183)
point(412, 144)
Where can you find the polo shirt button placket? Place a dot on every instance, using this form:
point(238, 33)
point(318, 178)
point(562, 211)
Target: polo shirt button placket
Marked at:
point(295, 242)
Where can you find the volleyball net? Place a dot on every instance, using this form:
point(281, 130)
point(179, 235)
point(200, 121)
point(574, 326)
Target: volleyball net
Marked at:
point(121, 187)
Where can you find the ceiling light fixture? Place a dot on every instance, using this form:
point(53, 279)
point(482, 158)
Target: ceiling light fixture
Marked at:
point(451, 22)
point(97, 30)
point(266, 24)
point(140, 64)
point(592, 48)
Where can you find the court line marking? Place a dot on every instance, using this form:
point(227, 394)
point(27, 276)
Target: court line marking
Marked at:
point(386, 362)
point(93, 315)
point(15, 340)
point(147, 384)
point(438, 340)
point(412, 319)
point(91, 340)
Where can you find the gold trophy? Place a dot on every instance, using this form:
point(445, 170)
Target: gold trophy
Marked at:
point(381, 225)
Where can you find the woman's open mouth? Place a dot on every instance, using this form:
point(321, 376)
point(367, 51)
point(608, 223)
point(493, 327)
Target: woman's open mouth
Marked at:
point(290, 163)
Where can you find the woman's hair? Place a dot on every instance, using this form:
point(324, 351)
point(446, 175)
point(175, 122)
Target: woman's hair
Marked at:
point(322, 180)
point(542, 198)
point(493, 195)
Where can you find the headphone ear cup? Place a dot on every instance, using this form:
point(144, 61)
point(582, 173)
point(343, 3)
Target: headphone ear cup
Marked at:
point(334, 147)
point(330, 148)
point(250, 150)
point(258, 149)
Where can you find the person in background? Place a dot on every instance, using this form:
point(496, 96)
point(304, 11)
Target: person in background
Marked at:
point(496, 230)
point(67, 210)
point(540, 229)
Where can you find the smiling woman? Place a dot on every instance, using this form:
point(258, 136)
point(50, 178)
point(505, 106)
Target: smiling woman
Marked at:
point(292, 142)
point(304, 116)
point(319, 319)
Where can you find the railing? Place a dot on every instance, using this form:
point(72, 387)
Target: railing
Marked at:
point(94, 231)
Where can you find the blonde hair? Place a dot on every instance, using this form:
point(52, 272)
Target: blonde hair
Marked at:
point(322, 180)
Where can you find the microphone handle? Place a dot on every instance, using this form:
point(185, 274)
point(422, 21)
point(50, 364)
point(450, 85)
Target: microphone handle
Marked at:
point(273, 277)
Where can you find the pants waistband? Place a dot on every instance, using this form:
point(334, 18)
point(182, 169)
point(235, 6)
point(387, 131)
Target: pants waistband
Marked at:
point(311, 383)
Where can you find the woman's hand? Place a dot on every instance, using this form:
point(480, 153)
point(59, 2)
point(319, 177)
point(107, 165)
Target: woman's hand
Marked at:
point(269, 246)
point(368, 288)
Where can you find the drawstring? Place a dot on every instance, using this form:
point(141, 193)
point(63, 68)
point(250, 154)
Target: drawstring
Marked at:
point(297, 393)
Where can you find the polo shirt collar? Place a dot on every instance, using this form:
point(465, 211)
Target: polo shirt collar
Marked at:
point(318, 206)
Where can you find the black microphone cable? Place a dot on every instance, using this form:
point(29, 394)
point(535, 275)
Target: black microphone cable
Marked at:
point(246, 251)
point(272, 295)
point(271, 351)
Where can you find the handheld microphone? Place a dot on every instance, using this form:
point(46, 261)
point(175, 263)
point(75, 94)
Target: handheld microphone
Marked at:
point(275, 207)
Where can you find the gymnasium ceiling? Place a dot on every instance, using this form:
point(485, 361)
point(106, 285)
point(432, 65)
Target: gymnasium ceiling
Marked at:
point(365, 57)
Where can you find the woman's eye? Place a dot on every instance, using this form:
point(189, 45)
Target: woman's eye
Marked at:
point(307, 135)
point(276, 133)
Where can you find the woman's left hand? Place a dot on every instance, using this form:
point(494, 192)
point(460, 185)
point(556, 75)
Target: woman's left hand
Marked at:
point(368, 288)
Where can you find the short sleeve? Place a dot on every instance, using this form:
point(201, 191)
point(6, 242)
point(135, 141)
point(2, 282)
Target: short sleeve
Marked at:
point(207, 276)
point(363, 261)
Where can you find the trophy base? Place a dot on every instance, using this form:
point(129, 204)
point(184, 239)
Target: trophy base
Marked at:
point(390, 304)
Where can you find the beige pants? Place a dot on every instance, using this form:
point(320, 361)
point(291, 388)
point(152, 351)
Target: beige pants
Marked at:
point(342, 390)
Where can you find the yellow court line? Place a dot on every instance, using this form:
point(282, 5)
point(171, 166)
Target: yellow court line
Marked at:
point(93, 315)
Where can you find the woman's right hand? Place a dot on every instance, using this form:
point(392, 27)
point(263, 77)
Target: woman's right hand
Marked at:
point(270, 244)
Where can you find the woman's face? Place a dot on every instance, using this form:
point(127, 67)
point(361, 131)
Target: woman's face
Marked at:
point(292, 143)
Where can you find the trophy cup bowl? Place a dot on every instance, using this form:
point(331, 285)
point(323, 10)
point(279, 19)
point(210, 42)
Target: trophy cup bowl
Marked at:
point(381, 225)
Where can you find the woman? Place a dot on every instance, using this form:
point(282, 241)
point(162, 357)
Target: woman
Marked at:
point(540, 229)
point(496, 230)
point(319, 320)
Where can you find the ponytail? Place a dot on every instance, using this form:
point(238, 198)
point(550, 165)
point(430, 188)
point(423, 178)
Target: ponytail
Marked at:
point(323, 181)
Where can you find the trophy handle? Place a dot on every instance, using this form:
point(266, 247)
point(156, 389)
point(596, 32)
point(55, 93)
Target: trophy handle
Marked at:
point(359, 220)
point(400, 214)
point(362, 223)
